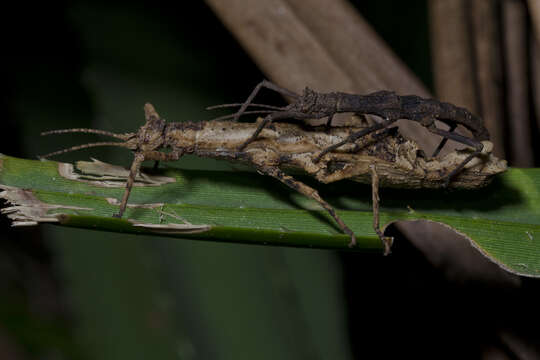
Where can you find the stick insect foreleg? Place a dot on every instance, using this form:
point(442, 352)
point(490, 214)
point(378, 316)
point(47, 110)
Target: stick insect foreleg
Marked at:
point(266, 84)
point(308, 191)
point(134, 170)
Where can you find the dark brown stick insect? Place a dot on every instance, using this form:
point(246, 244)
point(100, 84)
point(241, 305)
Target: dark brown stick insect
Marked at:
point(381, 157)
point(385, 104)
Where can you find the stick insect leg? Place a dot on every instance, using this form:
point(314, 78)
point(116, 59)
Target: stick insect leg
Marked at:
point(386, 240)
point(267, 120)
point(346, 172)
point(266, 84)
point(477, 145)
point(134, 170)
point(354, 136)
point(302, 188)
point(443, 141)
point(329, 121)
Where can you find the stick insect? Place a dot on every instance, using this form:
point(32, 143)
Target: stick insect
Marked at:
point(382, 157)
point(385, 104)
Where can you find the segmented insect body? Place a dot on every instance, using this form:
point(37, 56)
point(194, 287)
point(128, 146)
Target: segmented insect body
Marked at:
point(389, 105)
point(382, 157)
point(385, 104)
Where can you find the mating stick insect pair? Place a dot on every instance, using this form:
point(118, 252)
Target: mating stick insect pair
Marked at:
point(375, 154)
point(385, 104)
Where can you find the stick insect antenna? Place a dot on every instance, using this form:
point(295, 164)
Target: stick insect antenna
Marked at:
point(225, 117)
point(92, 131)
point(264, 106)
point(78, 147)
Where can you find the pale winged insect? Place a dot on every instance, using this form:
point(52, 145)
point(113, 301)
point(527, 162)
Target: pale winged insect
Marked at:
point(385, 104)
point(383, 157)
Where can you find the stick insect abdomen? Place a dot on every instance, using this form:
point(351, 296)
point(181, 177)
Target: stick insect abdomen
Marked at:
point(385, 104)
point(425, 111)
point(466, 119)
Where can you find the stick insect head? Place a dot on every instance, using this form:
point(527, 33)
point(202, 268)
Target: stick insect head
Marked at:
point(148, 138)
point(150, 135)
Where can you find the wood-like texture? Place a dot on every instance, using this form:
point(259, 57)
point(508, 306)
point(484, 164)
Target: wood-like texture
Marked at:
point(517, 81)
point(488, 68)
point(452, 62)
point(467, 60)
point(534, 11)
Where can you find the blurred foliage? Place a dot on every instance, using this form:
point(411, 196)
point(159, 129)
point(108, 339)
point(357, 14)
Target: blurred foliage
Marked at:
point(404, 27)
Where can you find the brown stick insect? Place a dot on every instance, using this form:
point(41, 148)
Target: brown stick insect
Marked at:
point(379, 157)
point(385, 104)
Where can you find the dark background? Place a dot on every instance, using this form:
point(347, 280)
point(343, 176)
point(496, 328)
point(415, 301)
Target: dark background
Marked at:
point(75, 294)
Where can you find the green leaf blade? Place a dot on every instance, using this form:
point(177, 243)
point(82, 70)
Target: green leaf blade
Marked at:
point(502, 220)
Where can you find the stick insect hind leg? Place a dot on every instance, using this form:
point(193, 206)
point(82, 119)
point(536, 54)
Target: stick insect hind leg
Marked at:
point(341, 174)
point(477, 145)
point(443, 141)
point(308, 191)
point(386, 240)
